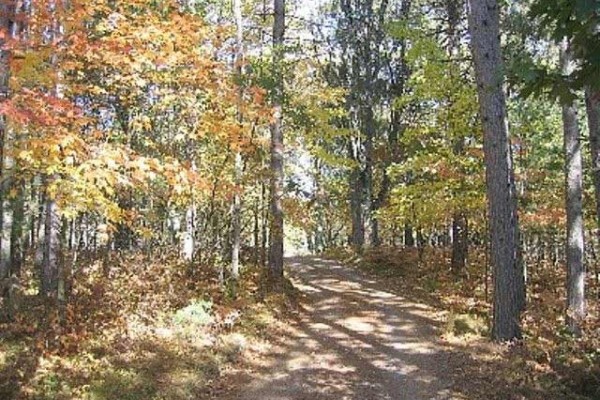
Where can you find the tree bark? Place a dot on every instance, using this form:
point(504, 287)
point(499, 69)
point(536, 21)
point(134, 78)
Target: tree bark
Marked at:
point(4, 94)
point(189, 245)
point(592, 100)
point(124, 234)
point(509, 294)
point(236, 218)
point(51, 250)
point(460, 239)
point(409, 237)
point(574, 206)
point(16, 233)
point(6, 214)
point(357, 238)
point(368, 118)
point(264, 234)
point(275, 267)
point(460, 244)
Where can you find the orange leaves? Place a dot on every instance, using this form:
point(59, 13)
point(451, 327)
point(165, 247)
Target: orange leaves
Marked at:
point(131, 97)
point(545, 216)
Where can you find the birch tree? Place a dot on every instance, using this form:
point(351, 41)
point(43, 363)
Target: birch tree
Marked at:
point(573, 204)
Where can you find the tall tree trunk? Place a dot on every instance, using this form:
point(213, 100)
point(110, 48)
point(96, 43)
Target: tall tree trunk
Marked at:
point(256, 232)
point(236, 218)
point(509, 293)
point(31, 215)
point(368, 118)
point(592, 100)
point(10, 208)
point(357, 238)
point(574, 206)
point(189, 245)
point(7, 209)
point(4, 94)
point(51, 250)
point(460, 245)
point(409, 237)
point(38, 232)
point(264, 235)
point(460, 239)
point(275, 268)
point(51, 255)
point(16, 234)
point(6, 215)
point(421, 242)
point(124, 234)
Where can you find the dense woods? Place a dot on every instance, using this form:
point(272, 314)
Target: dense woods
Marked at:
point(162, 155)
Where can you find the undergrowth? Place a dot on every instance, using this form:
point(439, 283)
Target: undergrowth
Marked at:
point(136, 329)
point(548, 364)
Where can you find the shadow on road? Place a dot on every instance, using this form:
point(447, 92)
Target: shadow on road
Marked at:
point(356, 340)
point(353, 341)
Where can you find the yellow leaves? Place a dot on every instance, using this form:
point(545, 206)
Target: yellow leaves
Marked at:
point(111, 23)
point(26, 156)
point(144, 94)
point(140, 123)
point(140, 82)
point(145, 232)
point(12, 194)
point(31, 67)
point(96, 90)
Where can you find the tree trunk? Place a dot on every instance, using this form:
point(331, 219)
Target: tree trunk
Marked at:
point(236, 218)
point(574, 206)
point(264, 235)
point(16, 234)
point(368, 118)
point(409, 237)
point(256, 233)
point(40, 218)
point(189, 245)
point(460, 240)
point(358, 229)
point(509, 298)
point(275, 268)
point(51, 250)
point(460, 243)
point(6, 214)
point(4, 94)
point(592, 100)
point(124, 234)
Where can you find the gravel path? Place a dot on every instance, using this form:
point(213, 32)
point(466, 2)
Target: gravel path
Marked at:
point(352, 341)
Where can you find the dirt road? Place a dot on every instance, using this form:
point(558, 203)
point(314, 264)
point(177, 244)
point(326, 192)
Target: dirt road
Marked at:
point(353, 340)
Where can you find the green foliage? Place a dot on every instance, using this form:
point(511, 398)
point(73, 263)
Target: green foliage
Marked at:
point(443, 167)
point(466, 324)
point(198, 314)
point(123, 384)
point(555, 21)
point(578, 21)
point(536, 127)
point(143, 334)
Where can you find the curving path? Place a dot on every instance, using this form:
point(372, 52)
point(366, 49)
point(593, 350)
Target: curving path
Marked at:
point(353, 340)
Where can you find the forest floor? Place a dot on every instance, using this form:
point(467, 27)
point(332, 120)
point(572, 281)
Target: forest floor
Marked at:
point(357, 337)
point(385, 325)
point(137, 328)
